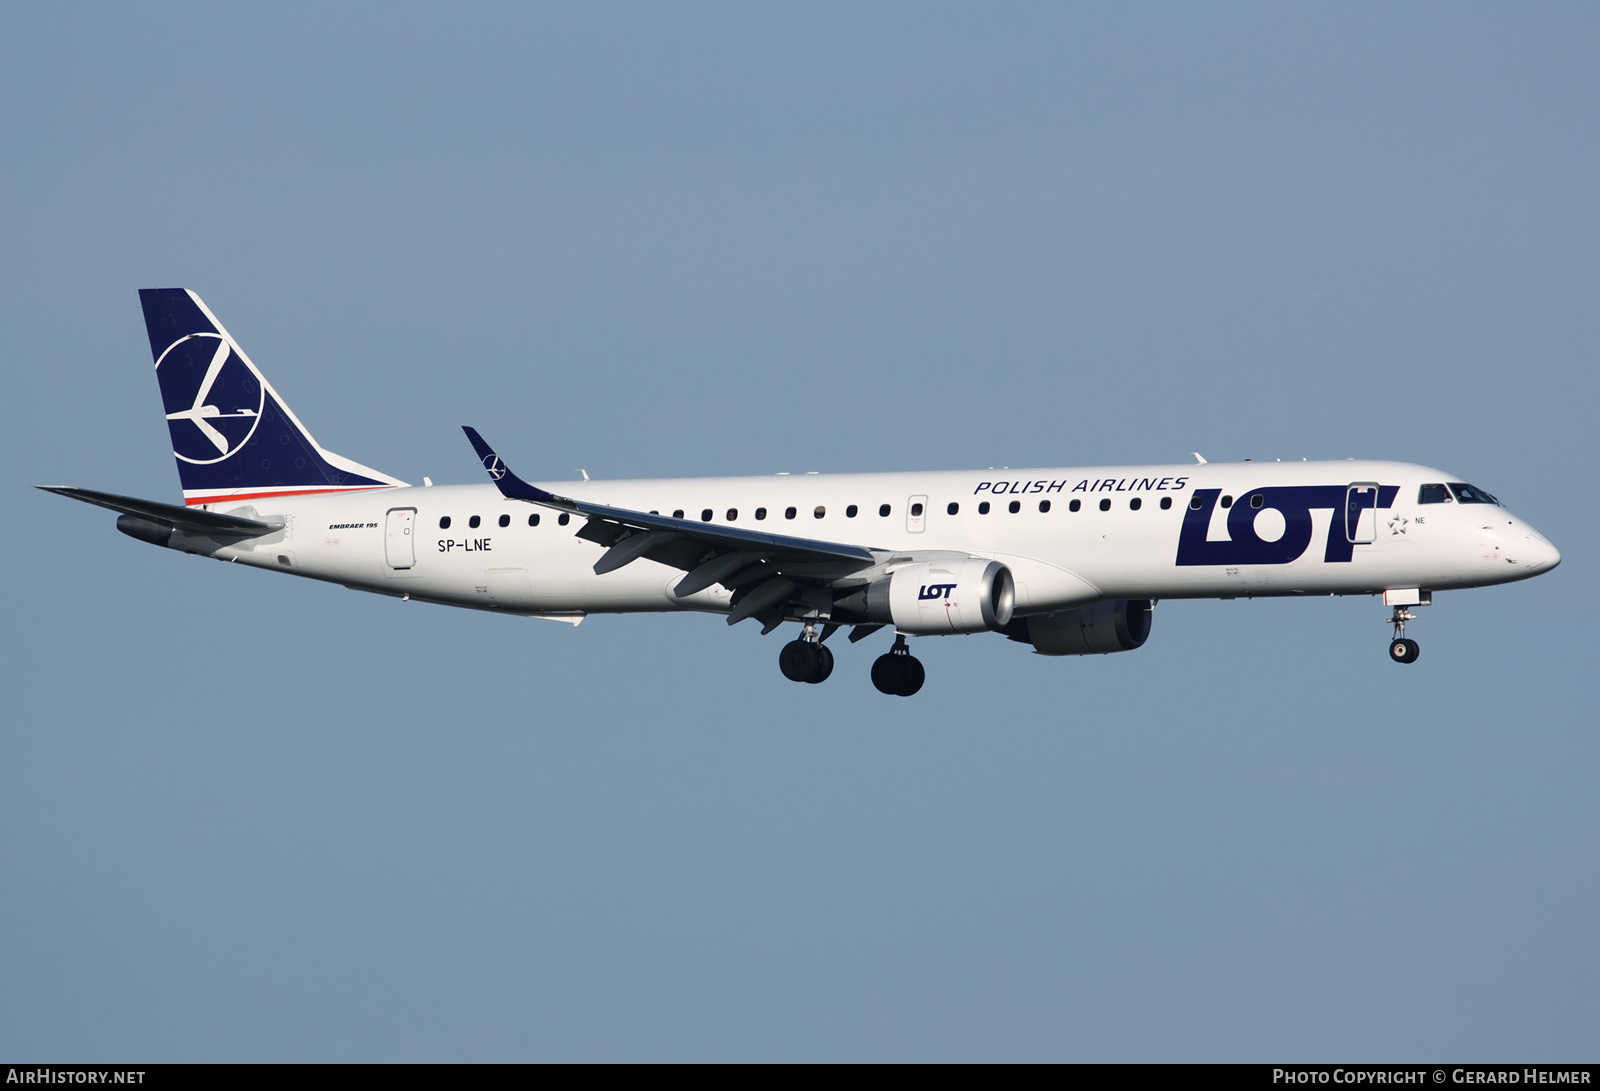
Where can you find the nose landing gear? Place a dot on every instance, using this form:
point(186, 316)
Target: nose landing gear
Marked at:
point(1402, 650)
point(899, 673)
point(806, 659)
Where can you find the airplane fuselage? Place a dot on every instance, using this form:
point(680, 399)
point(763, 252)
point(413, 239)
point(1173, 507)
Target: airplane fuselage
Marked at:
point(1070, 536)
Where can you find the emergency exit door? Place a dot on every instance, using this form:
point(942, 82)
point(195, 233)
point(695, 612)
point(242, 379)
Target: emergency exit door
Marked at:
point(916, 514)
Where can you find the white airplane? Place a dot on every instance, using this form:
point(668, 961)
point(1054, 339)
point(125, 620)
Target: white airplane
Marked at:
point(1070, 560)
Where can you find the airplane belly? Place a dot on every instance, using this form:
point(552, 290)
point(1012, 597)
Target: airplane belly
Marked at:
point(568, 583)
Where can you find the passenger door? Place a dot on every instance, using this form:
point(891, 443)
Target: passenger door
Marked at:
point(1361, 512)
point(399, 543)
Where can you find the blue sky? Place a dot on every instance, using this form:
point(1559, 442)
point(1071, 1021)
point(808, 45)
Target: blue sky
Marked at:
point(254, 818)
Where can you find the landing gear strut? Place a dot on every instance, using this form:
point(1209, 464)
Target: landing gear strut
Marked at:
point(898, 673)
point(806, 659)
point(1402, 650)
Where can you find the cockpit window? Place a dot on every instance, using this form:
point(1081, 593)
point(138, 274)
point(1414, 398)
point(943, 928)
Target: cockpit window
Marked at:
point(1467, 494)
point(1433, 494)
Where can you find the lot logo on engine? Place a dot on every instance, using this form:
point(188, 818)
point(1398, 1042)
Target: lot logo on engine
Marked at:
point(936, 590)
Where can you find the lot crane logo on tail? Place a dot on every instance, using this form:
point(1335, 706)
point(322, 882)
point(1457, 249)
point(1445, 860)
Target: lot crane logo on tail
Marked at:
point(233, 436)
point(225, 408)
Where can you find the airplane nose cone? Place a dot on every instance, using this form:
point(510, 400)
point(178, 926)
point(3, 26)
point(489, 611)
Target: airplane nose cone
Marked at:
point(1539, 555)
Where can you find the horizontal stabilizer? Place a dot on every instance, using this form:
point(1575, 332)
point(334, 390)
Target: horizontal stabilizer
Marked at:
point(182, 518)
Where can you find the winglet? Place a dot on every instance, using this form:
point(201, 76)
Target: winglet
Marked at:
point(510, 485)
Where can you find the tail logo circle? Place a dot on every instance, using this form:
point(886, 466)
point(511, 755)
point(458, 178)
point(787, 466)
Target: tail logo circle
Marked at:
point(496, 468)
point(212, 397)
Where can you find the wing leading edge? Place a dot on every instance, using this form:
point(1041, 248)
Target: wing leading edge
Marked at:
point(764, 571)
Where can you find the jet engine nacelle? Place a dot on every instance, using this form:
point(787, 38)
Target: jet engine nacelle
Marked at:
point(1100, 629)
point(938, 598)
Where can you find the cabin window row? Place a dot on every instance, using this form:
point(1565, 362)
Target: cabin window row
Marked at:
point(819, 512)
point(1428, 494)
point(850, 512)
point(476, 521)
point(952, 508)
point(984, 507)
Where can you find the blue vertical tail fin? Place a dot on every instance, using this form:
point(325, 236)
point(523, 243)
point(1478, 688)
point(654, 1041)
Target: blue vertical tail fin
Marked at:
point(233, 436)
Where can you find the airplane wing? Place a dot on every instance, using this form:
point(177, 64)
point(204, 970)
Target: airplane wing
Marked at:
point(763, 570)
point(182, 518)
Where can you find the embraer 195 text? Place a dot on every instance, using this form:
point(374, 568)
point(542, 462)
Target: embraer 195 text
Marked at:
point(1070, 560)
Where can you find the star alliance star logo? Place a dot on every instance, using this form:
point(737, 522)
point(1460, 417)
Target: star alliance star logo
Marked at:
point(1397, 525)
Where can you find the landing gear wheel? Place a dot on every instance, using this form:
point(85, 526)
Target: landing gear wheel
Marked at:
point(799, 660)
point(824, 666)
point(899, 673)
point(887, 673)
point(1404, 651)
point(913, 676)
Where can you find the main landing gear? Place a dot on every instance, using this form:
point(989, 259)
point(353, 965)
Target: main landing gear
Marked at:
point(899, 673)
point(807, 659)
point(1402, 650)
